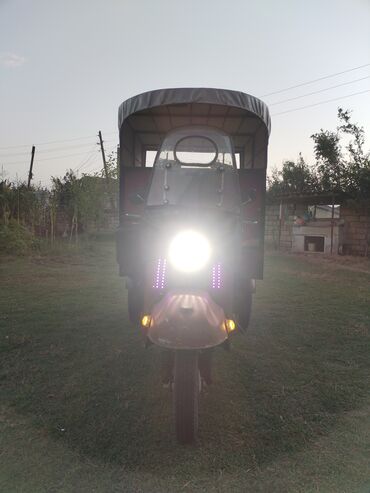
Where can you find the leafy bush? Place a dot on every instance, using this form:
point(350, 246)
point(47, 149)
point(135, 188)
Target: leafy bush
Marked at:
point(15, 239)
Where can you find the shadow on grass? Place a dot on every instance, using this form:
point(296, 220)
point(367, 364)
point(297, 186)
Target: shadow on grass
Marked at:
point(92, 386)
point(108, 404)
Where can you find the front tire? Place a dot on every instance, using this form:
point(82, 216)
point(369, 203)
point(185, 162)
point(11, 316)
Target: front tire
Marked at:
point(134, 301)
point(186, 395)
point(243, 302)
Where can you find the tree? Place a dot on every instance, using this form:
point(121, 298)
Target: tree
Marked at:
point(83, 200)
point(111, 175)
point(348, 173)
point(358, 166)
point(294, 178)
point(67, 195)
point(330, 167)
point(358, 161)
point(5, 201)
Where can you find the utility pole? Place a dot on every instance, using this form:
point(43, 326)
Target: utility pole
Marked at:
point(103, 156)
point(30, 175)
point(106, 170)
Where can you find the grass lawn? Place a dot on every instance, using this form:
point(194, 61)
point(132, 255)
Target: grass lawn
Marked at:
point(82, 408)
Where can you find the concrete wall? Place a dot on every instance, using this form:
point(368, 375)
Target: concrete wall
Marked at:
point(321, 228)
point(354, 235)
point(272, 225)
point(356, 230)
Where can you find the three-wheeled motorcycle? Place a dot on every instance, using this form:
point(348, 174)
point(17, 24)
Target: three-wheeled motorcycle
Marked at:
point(191, 235)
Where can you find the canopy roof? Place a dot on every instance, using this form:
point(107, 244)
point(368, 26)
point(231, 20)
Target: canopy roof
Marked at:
point(180, 96)
point(145, 119)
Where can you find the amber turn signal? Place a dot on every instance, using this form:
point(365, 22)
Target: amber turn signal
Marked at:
point(146, 320)
point(230, 325)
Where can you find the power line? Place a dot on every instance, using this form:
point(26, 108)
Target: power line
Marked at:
point(77, 146)
point(90, 163)
point(321, 90)
point(84, 161)
point(264, 95)
point(93, 163)
point(51, 158)
point(314, 80)
point(50, 142)
point(65, 140)
point(321, 102)
point(56, 142)
point(110, 150)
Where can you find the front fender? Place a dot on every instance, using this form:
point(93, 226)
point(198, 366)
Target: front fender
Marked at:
point(187, 320)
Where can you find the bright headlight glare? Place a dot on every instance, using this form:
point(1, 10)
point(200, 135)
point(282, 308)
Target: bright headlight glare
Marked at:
point(189, 251)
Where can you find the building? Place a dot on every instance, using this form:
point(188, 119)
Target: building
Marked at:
point(317, 224)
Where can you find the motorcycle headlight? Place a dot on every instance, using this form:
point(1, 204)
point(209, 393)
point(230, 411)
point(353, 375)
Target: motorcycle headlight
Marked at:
point(189, 251)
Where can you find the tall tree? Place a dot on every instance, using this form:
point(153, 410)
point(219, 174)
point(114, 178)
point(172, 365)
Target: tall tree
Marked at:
point(294, 178)
point(329, 160)
point(357, 160)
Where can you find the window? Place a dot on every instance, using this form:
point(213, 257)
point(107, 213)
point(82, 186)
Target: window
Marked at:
point(196, 150)
point(323, 211)
point(196, 146)
point(150, 158)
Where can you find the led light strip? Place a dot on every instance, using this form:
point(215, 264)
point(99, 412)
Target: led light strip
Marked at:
point(160, 274)
point(216, 276)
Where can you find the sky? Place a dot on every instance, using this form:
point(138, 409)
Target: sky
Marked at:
point(65, 67)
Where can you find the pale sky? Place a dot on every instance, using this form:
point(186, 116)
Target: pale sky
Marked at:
point(65, 66)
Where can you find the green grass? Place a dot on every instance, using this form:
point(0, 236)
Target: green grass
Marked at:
point(82, 408)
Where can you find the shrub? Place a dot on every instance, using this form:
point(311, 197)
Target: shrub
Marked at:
point(15, 239)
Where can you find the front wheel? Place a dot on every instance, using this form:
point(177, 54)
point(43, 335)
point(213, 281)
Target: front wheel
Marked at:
point(186, 395)
point(243, 302)
point(134, 301)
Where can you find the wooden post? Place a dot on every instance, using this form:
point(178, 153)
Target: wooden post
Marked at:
point(30, 175)
point(332, 226)
point(103, 156)
point(106, 170)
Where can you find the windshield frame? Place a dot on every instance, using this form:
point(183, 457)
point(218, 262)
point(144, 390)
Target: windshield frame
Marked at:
point(195, 164)
point(221, 140)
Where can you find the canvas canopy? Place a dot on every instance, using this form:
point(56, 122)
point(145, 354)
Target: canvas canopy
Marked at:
point(145, 119)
